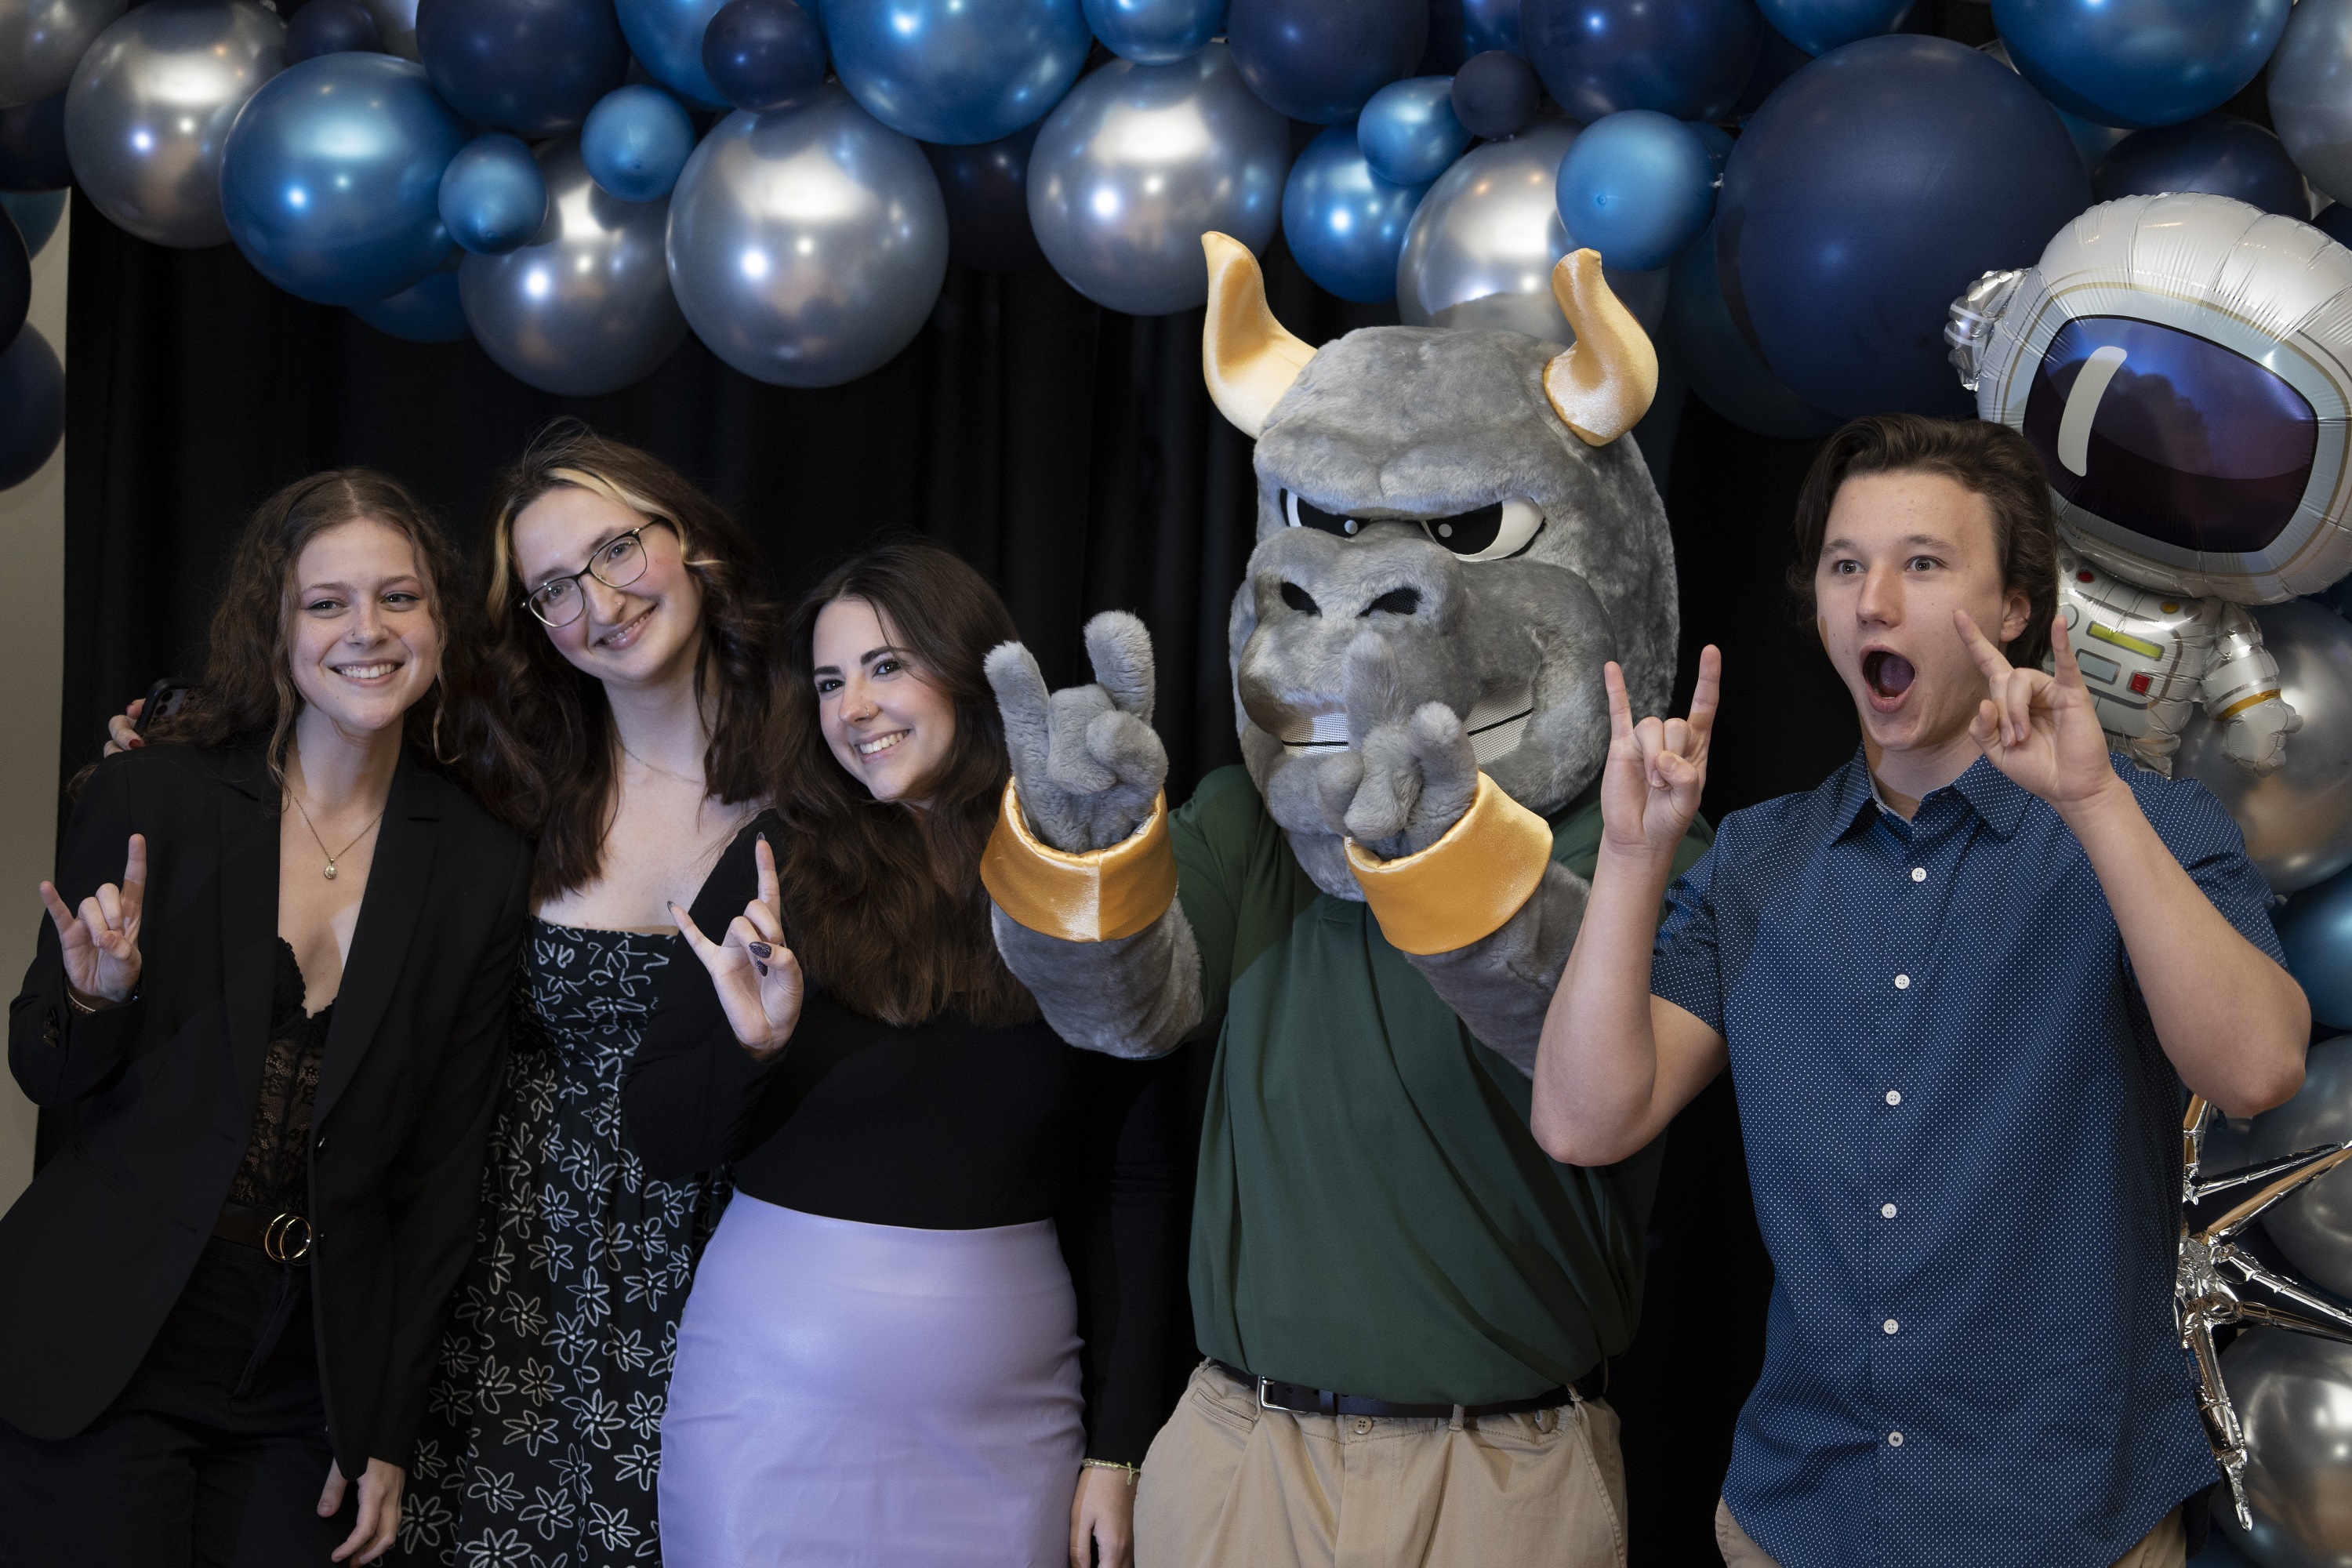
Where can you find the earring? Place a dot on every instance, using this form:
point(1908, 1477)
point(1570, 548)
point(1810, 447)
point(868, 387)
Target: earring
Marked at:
point(440, 702)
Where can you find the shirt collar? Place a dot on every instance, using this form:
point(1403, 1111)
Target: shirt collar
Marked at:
point(1988, 792)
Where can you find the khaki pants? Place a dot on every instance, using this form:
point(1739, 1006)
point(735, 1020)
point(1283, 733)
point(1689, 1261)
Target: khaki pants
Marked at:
point(2163, 1547)
point(1227, 1485)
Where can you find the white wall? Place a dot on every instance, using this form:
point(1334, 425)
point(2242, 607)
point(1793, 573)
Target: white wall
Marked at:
point(32, 652)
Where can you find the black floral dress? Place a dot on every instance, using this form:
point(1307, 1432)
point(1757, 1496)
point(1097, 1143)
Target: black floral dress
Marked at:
point(543, 1438)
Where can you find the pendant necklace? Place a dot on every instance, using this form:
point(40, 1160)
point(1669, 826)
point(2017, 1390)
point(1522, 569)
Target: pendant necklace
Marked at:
point(313, 826)
point(657, 768)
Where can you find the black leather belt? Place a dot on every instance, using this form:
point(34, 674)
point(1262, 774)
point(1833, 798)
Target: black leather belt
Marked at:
point(281, 1238)
point(1273, 1394)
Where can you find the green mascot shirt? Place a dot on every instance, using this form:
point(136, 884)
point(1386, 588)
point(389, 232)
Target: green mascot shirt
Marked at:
point(1373, 1214)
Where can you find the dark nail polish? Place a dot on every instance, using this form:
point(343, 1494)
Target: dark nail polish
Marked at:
point(762, 835)
point(761, 950)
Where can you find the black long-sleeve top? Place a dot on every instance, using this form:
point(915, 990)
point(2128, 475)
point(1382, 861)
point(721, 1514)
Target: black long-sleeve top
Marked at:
point(943, 1125)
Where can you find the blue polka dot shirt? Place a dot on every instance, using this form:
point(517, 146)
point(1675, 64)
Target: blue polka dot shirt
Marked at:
point(1963, 1142)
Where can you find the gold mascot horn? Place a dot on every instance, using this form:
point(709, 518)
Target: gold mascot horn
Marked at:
point(1603, 384)
point(1248, 357)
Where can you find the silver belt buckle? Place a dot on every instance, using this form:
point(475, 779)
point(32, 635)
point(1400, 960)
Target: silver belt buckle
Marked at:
point(1262, 1404)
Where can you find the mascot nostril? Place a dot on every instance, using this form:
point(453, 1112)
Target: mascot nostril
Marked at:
point(1368, 919)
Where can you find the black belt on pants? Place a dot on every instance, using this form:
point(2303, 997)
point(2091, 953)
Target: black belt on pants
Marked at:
point(281, 1238)
point(1273, 1394)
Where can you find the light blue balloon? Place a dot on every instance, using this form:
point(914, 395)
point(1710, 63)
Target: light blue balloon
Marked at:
point(1638, 186)
point(1345, 224)
point(637, 140)
point(1817, 26)
point(330, 180)
point(493, 197)
point(2315, 928)
point(426, 312)
point(958, 72)
point(37, 214)
point(1155, 32)
point(1408, 132)
point(666, 38)
point(1729, 376)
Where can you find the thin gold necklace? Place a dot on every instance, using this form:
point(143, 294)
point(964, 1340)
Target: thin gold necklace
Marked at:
point(656, 767)
point(313, 826)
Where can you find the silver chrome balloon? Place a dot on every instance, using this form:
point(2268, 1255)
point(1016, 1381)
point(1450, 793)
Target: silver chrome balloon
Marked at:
point(41, 41)
point(1138, 161)
point(2294, 1394)
point(807, 246)
point(586, 308)
point(2298, 820)
point(151, 106)
point(2313, 1227)
point(2310, 93)
point(395, 21)
point(1480, 251)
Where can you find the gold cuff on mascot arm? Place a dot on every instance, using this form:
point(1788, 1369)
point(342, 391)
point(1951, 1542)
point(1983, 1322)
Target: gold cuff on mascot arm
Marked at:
point(1100, 896)
point(1463, 887)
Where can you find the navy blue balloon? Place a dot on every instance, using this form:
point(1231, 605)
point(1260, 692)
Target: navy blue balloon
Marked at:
point(1817, 26)
point(426, 312)
point(2093, 142)
point(635, 142)
point(986, 189)
point(958, 72)
point(15, 280)
point(1866, 193)
point(1728, 374)
point(332, 28)
point(764, 55)
point(1343, 223)
point(2315, 928)
point(668, 36)
point(533, 68)
point(1409, 131)
point(1689, 59)
point(331, 178)
point(1321, 62)
point(1489, 25)
point(32, 406)
point(1777, 59)
point(2219, 154)
point(1494, 94)
point(1155, 32)
point(1718, 142)
point(2138, 63)
point(493, 197)
point(2335, 221)
point(37, 214)
point(1637, 186)
point(33, 146)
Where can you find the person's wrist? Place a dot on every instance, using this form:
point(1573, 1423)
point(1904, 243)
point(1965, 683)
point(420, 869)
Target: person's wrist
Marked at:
point(86, 1003)
point(1642, 860)
point(2107, 800)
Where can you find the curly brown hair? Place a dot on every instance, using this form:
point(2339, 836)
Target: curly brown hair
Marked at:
point(558, 781)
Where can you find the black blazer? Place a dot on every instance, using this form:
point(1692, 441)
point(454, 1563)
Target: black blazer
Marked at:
point(100, 1246)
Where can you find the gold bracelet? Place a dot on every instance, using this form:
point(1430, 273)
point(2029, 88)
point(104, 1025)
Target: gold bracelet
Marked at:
point(1134, 1472)
point(86, 1009)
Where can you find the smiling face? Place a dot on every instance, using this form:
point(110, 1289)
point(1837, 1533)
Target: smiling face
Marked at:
point(362, 638)
point(890, 728)
point(1902, 551)
point(644, 634)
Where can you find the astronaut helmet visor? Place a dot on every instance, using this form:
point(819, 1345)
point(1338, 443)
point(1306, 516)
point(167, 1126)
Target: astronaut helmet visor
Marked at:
point(2170, 435)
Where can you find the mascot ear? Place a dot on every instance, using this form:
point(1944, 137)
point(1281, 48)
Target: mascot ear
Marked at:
point(1603, 384)
point(1248, 357)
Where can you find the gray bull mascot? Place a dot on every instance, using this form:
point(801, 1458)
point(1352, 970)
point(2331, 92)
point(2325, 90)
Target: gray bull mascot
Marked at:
point(1406, 1305)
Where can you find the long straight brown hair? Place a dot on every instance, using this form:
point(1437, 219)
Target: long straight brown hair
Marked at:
point(883, 901)
point(562, 785)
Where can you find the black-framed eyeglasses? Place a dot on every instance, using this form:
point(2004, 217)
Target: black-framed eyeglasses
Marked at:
point(618, 561)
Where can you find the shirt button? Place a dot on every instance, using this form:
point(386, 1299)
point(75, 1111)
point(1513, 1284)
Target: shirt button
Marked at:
point(1886, 1211)
point(1895, 1439)
point(1894, 1097)
point(1903, 982)
point(1918, 873)
point(1891, 1325)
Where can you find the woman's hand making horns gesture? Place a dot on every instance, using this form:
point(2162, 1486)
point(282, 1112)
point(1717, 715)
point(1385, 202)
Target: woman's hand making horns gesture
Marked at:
point(758, 980)
point(100, 943)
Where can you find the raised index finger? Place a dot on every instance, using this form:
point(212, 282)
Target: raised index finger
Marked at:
point(1620, 708)
point(1121, 649)
point(1708, 692)
point(1020, 688)
point(135, 879)
point(771, 893)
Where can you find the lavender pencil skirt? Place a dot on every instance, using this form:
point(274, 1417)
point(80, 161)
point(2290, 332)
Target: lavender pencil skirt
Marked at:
point(850, 1393)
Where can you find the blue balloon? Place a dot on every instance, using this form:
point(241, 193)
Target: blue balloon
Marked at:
point(1728, 376)
point(764, 55)
point(534, 68)
point(426, 312)
point(1409, 131)
point(332, 28)
point(15, 280)
point(1489, 25)
point(1866, 193)
point(667, 37)
point(2219, 154)
point(37, 214)
point(986, 189)
point(1322, 62)
point(1638, 186)
point(1344, 224)
point(1817, 26)
point(1155, 32)
point(33, 146)
point(2315, 928)
point(32, 406)
point(2148, 62)
point(1494, 94)
point(331, 178)
point(1718, 142)
point(2091, 143)
point(957, 71)
point(2335, 221)
point(493, 197)
point(636, 142)
point(1689, 59)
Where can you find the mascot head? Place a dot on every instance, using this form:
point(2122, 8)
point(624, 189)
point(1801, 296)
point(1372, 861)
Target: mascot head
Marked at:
point(1469, 498)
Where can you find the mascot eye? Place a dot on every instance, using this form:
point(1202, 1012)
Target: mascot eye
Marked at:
point(1306, 514)
point(1493, 532)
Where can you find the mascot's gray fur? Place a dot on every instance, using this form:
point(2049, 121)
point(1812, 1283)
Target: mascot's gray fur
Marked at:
point(1452, 540)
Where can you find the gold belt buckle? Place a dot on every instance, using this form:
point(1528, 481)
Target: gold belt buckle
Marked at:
point(279, 1241)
